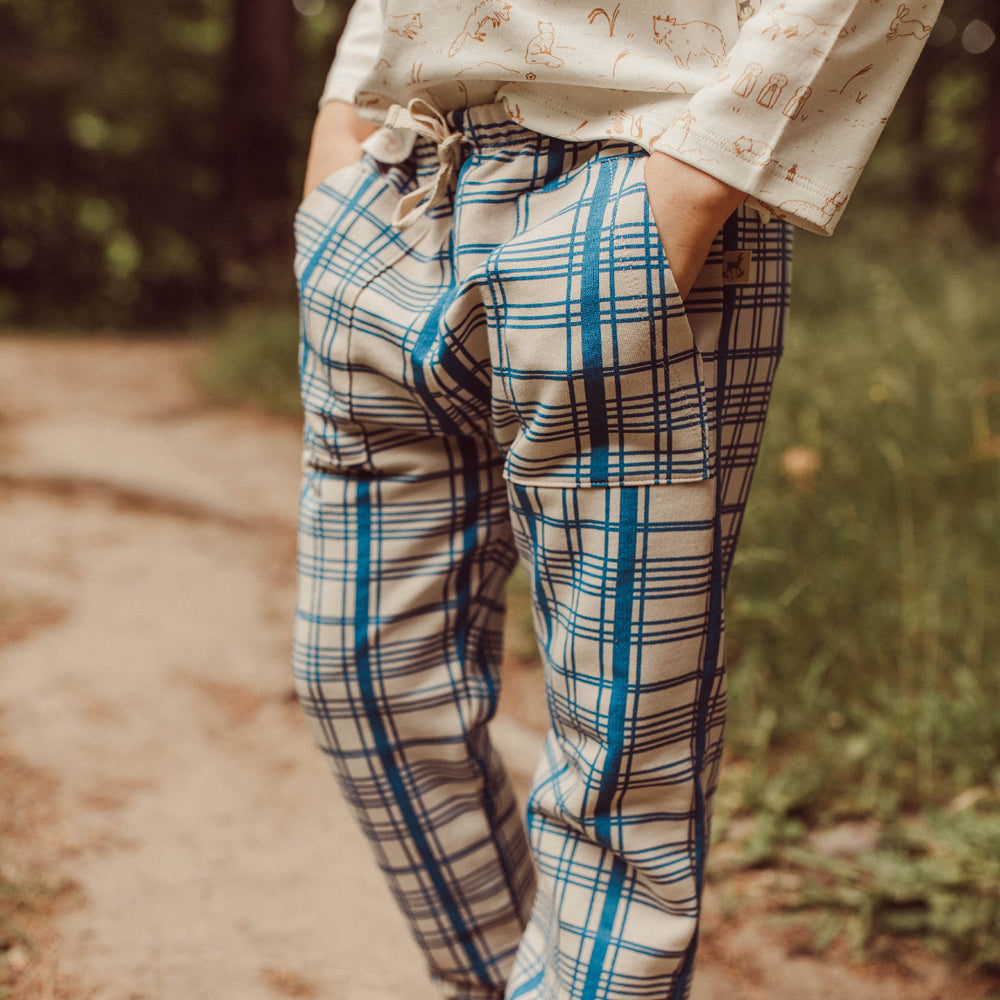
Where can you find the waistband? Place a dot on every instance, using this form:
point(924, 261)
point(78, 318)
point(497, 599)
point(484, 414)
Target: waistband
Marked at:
point(422, 129)
point(489, 125)
point(448, 133)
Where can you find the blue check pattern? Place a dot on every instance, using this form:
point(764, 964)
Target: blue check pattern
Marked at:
point(515, 377)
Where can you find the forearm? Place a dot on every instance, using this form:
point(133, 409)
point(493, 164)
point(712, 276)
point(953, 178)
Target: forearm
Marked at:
point(336, 141)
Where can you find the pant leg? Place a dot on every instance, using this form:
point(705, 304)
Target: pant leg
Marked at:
point(397, 648)
point(590, 388)
point(650, 413)
point(405, 547)
point(628, 595)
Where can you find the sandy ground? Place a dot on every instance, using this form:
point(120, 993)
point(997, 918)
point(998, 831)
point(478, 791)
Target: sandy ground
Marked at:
point(146, 572)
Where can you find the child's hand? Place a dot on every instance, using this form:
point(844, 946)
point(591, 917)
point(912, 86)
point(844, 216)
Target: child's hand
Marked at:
point(336, 142)
point(689, 208)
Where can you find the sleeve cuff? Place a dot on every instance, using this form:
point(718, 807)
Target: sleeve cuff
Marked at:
point(774, 191)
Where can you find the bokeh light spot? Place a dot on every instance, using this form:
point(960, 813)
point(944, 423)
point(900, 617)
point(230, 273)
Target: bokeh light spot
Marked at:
point(978, 37)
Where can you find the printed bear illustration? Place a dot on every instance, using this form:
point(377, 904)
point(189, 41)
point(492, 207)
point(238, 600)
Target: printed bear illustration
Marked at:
point(690, 40)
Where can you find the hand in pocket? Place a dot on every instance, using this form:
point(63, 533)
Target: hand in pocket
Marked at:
point(689, 208)
point(336, 142)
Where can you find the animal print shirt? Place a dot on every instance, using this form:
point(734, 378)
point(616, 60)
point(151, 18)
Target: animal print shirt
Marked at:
point(783, 99)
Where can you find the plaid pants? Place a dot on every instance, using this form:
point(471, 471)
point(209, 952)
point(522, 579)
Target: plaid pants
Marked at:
point(515, 375)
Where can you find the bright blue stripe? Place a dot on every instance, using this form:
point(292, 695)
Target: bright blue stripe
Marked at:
point(528, 986)
point(591, 333)
point(616, 880)
point(383, 745)
point(624, 584)
point(463, 574)
point(336, 225)
point(421, 349)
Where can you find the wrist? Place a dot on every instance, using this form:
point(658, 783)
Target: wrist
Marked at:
point(702, 191)
point(336, 141)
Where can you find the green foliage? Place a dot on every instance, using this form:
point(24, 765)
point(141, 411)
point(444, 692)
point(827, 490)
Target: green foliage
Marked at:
point(936, 876)
point(254, 359)
point(943, 142)
point(862, 618)
point(106, 109)
point(864, 591)
point(114, 205)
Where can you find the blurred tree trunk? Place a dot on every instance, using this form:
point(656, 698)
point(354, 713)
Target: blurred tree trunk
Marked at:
point(257, 122)
point(985, 203)
point(923, 167)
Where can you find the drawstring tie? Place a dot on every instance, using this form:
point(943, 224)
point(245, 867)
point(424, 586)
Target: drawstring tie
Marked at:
point(424, 119)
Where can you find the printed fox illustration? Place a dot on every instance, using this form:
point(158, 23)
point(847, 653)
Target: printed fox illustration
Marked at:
point(789, 24)
point(404, 25)
point(488, 12)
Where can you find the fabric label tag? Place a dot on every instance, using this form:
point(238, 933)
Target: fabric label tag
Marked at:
point(736, 266)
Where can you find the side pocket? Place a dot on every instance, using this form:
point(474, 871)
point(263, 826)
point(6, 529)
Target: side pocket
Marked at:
point(594, 352)
point(365, 293)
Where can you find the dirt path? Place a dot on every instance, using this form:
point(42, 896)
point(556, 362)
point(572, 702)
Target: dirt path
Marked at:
point(146, 569)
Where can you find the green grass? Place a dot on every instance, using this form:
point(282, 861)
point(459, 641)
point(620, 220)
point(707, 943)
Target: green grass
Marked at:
point(863, 613)
point(255, 360)
point(863, 619)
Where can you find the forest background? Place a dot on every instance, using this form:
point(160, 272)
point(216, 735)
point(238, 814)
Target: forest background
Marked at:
point(151, 158)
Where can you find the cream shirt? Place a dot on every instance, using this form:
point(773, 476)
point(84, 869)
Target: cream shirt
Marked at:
point(783, 99)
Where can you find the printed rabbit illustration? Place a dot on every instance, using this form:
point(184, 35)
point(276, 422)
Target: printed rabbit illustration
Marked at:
point(903, 29)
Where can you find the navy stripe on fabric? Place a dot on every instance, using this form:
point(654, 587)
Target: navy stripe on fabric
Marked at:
point(591, 327)
point(383, 745)
point(710, 662)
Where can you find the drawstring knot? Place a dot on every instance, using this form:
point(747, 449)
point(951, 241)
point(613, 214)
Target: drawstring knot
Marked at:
point(424, 119)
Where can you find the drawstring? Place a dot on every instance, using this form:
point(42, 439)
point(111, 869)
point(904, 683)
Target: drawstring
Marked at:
point(424, 119)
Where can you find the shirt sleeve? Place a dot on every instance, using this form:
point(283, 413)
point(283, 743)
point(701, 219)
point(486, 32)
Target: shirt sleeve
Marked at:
point(796, 107)
point(357, 52)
